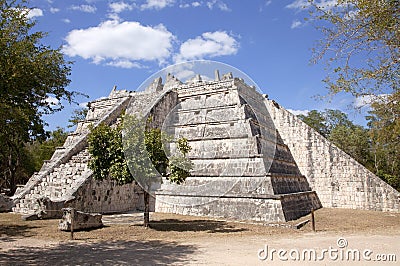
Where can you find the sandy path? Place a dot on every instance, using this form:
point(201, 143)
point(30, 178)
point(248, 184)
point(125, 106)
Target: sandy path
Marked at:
point(198, 251)
point(244, 251)
point(185, 240)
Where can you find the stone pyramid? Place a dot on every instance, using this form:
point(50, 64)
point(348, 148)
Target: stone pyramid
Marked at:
point(253, 160)
point(242, 168)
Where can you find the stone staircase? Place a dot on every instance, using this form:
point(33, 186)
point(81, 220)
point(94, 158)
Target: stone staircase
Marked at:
point(66, 174)
point(59, 185)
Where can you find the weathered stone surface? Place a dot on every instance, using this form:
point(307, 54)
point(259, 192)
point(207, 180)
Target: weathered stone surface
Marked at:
point(66, 180)
point(257, 179)
point(252, 159)
point(45, 208)
point(79, 220)
point(5, 203)
point(339, 180)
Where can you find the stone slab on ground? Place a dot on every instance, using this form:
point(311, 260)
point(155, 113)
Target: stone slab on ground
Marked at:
point(81, 220)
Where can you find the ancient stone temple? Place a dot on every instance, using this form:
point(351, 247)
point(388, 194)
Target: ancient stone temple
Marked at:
point(252, 159)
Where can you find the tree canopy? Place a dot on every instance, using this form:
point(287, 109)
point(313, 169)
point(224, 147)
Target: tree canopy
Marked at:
point(128, 151)
point(361, 47)
point(361, 44)
point(33, 80)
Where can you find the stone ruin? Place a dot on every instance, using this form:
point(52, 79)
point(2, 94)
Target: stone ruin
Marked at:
point(253, 160)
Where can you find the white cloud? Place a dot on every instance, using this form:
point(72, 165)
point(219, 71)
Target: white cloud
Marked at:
point(120, 44)
point(299, 112)
point(209, 44)
point(210, 4)
point(124, 63)
point(157, 4)
point(296, 24)
point(52, 101)
point(34, 12)
point(186, 5)
point(196, 4)
point(118, 7)
point(54, 10)
point(303, 4)
point(299, 4)
point(268, 2)
point(219, 4)
point(185, 74)
point(84, 8)
point(327, 4)
point(83, 104)
point(114, 16)
point(367, 100)
point(65, 20)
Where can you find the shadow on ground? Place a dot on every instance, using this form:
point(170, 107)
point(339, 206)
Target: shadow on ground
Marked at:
point(101, 253)
point(194, 226)
point(9, 232)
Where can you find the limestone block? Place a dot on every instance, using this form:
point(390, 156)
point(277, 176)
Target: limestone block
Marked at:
point(81, 220)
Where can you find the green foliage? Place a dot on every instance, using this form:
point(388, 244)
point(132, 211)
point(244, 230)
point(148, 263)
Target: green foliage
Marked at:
point(108, 161)
point(38, 151)
point(154, 146)
point(361, 46)
point(34, 153)
point(179, 164)
point(114, 149)
point(392, 180)
point(353, 140)
point(30, 73)
point(361, 43)
point(325, 122)
point(137, 153)
point(317, 121)
point(384, 123)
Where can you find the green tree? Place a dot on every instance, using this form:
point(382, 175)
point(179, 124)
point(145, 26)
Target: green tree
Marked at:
point(129, 152)
point(354, 140)
point(361, 47)
point(30, 74)
point(336, 127)
point(107, 156)
point(316, 120)
point(324, 122)
point(384, 123)
point(38, 150)
point(361, 44)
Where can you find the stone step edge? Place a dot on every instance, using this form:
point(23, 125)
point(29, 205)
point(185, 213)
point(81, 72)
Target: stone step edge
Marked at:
point(238, 196)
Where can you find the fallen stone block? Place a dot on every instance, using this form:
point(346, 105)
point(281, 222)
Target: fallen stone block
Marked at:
point(81, 220)
point(49, 209)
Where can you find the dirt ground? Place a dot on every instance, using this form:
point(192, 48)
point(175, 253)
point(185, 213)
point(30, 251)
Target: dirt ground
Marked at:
point(184, 240)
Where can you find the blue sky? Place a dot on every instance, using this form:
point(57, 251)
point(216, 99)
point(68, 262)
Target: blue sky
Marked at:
point(123, 42)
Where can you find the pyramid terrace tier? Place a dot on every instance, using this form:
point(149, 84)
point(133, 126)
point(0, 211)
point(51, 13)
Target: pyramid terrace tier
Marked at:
point(244, 186)
point(221, 130)
point(267, 209)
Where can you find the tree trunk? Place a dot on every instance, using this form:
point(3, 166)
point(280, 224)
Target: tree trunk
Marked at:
point(146, 209)
point(12, 168)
